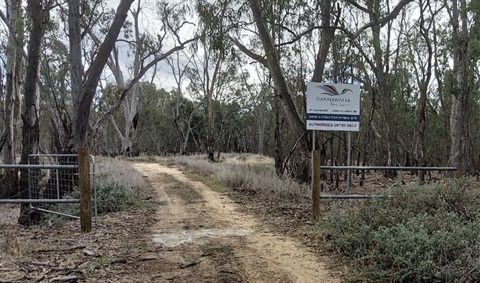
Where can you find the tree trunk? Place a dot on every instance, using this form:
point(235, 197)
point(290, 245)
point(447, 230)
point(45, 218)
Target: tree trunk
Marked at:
point(296, 123)
point(13, 79)
point(12, 96)
point(210, 131)
point(130, 106)
point(261, 127)
point(176, 118)
point(423, 81)
point(326, 39)
point(422, 130)
point(210, 88)
point(459, 92)
point(80, 126)
point(278, 136)
point(183, 130)
point(30, 129)
point(384, 87)
point(76, 68)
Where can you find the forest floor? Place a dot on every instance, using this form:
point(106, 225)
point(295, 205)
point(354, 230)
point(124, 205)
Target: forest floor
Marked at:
point(196, 234)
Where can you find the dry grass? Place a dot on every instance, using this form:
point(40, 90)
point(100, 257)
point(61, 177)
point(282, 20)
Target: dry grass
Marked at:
point(252, 173)
point(11, 244)
point(119, 171)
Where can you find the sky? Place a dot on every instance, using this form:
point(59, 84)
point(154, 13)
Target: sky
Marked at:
point(150, 23)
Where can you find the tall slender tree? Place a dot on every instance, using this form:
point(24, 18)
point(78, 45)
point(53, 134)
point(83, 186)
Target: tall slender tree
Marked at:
point(459, 92)
point(148, 50)
point(11, 114)
point(14, 70)
point(85, 97)
point(39, 16)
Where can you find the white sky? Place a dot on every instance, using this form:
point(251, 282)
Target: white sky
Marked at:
point(150, 23)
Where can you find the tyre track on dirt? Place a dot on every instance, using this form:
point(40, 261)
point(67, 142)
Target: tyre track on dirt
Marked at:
point(221, 243)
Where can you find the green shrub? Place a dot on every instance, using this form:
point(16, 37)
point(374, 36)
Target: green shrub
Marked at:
point(112, 196)
point(420, 234)
point(118, 187)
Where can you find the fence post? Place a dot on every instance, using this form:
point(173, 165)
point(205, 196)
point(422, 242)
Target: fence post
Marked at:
point(458, 170)
point(315, 185)
point(85, 193)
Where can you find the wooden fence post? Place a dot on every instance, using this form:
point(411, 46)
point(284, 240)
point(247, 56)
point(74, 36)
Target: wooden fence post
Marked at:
point(315, 185)
point(85, 192)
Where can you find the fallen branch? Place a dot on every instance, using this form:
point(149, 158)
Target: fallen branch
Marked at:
point(38, 263)
point(66, 278)
point(61, 250)
point(119, 260)
point(188, 264)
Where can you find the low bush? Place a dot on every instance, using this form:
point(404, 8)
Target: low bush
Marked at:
point(427, 233)
point(113, 196)
point(118, 185)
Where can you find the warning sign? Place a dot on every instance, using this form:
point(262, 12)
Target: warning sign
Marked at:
point(333, 107)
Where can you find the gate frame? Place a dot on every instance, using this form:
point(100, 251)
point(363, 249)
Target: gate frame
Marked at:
point(85, 186)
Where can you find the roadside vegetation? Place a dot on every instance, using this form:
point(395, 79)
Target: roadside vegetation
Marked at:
point(421, 233)
point(118, 186)
point(250, 177)
point(428, 233)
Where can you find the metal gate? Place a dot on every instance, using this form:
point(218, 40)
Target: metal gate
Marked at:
point(53, 184)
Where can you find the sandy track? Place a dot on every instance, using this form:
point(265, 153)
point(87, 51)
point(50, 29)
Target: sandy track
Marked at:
point(206, 232)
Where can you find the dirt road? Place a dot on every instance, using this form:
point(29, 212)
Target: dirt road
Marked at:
point(204, 233)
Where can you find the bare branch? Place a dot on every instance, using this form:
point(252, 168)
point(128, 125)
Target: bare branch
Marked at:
point(393, 14)
point(134, 80)
point(248, 52)
point(358, 6)
point(12, 34)
point(309, 30)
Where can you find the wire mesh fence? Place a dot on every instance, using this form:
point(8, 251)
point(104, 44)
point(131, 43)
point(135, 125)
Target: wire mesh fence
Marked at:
point(54, 185)
point(55, 177)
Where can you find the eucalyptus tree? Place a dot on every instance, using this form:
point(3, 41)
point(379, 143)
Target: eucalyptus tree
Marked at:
point(464, 39)
point(379, 59)
point(208, 67)
point(14, 72)
point(182, 116)
point(149, 48)
point(263, 30)
point(39, 12)
point(83, 91)
point(280, 27)
point(257, 95)
point(156, 132)
point(12, 93)
point(230, 111)
point(55, 73)
point(421, 59)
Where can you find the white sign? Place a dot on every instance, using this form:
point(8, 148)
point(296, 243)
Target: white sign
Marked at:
point(333, 107)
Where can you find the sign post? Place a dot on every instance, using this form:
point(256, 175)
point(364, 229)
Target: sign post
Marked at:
point(333, 107)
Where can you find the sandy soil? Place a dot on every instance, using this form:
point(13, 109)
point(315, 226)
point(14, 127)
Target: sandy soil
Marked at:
point(207, 232)
point(190, 234)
